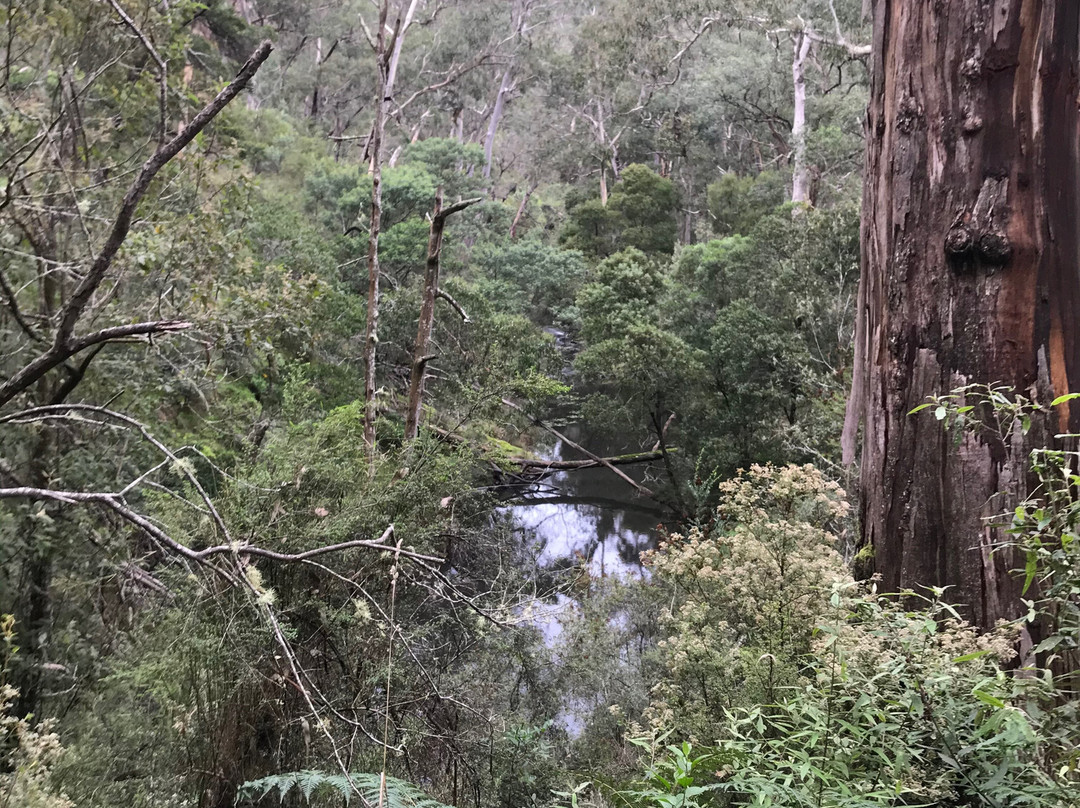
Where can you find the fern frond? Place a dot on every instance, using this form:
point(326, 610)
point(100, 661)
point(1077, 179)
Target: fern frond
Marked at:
point(399, 793)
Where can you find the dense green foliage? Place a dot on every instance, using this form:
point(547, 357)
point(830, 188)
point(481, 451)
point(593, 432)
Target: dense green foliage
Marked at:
point(212, 596)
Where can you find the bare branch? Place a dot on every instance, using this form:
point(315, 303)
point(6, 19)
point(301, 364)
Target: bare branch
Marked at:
point(641, 489)
point(54, 356)
point(854, 51)
point(377, 544)
point(16, 312)
point(706, 24)
point(65, 344)
point(529, 464)
point(454, 304)
point(451, 76)
point(457, 207)
point(133, 330)
point(367, 34)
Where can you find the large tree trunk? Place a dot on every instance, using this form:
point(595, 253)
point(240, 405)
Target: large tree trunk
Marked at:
point(970, 274)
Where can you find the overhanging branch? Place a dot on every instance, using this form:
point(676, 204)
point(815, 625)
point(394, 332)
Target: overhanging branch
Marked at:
point(65, 344)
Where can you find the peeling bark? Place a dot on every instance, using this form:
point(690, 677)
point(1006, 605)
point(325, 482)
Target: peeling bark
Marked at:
point(970, 274)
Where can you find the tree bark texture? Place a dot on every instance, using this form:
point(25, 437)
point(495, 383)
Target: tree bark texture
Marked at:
point(970, 274)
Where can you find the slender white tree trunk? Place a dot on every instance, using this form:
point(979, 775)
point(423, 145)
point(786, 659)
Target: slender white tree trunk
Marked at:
point(496, 116)
point(601, 136)
point(800, 182)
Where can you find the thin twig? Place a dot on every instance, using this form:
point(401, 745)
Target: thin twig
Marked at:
point(163, 70)
point(65, 344)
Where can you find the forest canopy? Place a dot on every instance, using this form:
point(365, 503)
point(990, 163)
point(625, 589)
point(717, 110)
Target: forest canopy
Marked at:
point(414, 404)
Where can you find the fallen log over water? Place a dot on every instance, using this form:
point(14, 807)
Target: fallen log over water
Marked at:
point(603, 461)
point(573, 465)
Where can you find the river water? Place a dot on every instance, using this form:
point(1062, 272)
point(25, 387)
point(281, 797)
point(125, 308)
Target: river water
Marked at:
point(588, 515)
point(582, 518)
point(585, 517)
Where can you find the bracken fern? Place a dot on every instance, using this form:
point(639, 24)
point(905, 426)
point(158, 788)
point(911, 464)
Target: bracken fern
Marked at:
point(399, 794)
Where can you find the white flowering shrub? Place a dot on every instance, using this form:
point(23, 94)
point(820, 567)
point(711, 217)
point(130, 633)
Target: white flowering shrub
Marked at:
point(28, 751)
point(897, 706)
point(805, 689)
point(747, 595)
point(900, 707)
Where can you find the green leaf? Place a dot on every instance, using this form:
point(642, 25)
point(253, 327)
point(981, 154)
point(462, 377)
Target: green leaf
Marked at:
point(399, 794)
point(986, 698)
point(971, 656)
point(1049, 644)
point(1064, 398)
point(1031, 568)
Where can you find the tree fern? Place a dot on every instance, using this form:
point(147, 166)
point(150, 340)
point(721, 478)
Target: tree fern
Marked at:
point(399, 794)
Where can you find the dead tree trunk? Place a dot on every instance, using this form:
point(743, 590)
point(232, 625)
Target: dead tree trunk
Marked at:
point(371, 338)
point(970, 274)
point(522, 207)
point(421, 357)
point(387, 56)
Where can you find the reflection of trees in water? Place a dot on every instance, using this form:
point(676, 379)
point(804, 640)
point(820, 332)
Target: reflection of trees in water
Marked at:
point(630, 549)
point(549, 496)
point(589, 513)
point(605, 525)
point(599, 536)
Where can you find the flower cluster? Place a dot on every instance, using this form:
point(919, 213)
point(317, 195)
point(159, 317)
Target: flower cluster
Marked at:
point(747, 593)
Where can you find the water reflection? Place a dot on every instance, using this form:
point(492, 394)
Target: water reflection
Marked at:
point(590, 518)
point(588, 515)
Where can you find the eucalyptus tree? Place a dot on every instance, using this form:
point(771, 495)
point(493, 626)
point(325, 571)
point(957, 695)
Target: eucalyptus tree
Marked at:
point(820, 33)
point(521, 10)
point(387, 53)
point(386, 38)
point(617, 60)
point(969, 277)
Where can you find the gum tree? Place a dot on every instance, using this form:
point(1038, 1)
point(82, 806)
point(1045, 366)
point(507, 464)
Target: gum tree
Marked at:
point(970, 252)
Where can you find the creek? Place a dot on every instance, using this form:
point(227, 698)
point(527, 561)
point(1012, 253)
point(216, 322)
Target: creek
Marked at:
point(583, 518)
point(588, 515)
